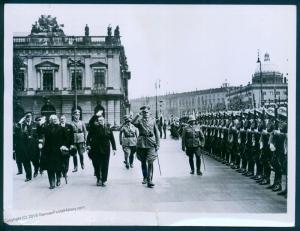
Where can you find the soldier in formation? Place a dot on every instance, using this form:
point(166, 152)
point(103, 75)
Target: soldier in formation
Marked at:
point(253, 142)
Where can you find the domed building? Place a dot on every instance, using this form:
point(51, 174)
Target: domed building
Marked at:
point(269, 72)
point(268, 87)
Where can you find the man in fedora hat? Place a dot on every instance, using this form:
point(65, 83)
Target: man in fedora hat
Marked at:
point(80, 135)
point(128, 139)
point(192, 140)
point(147, 143)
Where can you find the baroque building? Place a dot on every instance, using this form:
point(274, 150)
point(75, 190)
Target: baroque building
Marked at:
point(58, 72)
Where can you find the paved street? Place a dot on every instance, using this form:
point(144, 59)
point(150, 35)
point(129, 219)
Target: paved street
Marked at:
point(125, 201)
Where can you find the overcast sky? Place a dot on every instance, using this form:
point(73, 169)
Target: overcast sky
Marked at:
point(186, 47)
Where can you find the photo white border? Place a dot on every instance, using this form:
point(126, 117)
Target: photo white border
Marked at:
point(191, 219)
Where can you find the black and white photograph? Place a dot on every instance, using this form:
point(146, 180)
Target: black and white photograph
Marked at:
point(149, 115)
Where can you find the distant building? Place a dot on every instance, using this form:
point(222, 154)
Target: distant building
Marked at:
point(268, 80)
point(185, 103)
point(51, 61)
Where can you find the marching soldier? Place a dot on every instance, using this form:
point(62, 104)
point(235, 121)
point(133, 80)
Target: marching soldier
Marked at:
point(277, 147)
point(282, 138)
point(147, 143)
point(192, 141)
point(241, 144)
point(80, 134)
point(265, 147)
point(234, 144)
point(99, 139)
point(256, 134)
point(128, 139)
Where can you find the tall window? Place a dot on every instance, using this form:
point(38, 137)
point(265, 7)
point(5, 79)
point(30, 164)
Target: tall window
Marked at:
point(48, 80)
point(99, 78)
point(20, 81)
point(78, 78)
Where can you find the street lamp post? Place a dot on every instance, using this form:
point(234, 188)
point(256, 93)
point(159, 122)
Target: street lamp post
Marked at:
point(75, 80)
point(157, 85)
point(261, 92)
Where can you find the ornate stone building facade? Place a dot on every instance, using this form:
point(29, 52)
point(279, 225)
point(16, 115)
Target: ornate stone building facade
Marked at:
point(51, 61)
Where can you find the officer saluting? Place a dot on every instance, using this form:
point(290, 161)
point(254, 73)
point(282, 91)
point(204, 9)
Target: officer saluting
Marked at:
point(192, 140)
point(128, 139)
point(147, 143)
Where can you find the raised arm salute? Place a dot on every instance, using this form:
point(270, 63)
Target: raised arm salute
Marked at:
point(147, 143)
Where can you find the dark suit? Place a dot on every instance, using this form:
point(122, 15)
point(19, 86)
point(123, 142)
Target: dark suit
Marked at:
point(99, 139)
point(55, 137)
point(69, 141)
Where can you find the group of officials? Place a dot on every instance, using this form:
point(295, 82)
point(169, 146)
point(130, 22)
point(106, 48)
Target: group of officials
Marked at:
point(49, 143)
point(253, 142)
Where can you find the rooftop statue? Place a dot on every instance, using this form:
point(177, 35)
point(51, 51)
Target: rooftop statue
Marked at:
point(117, 32)
point(86, 30)
point(109, 31)
point(48, 25)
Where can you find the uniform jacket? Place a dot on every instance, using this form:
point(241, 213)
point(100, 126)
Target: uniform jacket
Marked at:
point(128, 135)
point(192, 137)
point(28, 140)
point(80, 132)
point(148, 133)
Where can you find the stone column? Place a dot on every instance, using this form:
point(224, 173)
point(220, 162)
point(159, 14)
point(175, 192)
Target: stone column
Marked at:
point(64, 72)
point(110, 70)
point(54, 79)
point(117, 112)
point(87, 72)
point(30, 80)
point(39, 80)
point(42, 79)
point(110, 112)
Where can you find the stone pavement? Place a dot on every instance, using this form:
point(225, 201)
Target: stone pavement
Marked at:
point(178, 197)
